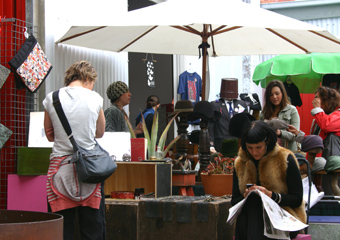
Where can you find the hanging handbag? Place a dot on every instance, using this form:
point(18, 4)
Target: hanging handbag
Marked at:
point(92, 166)
point(30, 64)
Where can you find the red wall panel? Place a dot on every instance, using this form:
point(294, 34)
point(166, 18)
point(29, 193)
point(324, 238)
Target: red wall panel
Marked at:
point(12, 100)
point(305, 112)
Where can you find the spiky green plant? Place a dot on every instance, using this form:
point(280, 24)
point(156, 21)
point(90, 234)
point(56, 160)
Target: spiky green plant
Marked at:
point(132, 132)
point(152, 140)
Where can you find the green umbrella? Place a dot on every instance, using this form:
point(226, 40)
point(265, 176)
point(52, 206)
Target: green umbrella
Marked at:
point(305, 70)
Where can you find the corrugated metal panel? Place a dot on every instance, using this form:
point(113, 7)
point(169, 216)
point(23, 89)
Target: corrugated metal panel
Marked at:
point(110, 66)
point(330, 24)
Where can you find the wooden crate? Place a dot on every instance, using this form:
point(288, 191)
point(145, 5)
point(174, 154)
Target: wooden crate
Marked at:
point(128, 220)
point(121, 219)
point(215, 228)
point(154, 177)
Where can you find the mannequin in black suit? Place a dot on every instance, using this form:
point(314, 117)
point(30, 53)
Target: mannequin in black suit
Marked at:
point(219, 130)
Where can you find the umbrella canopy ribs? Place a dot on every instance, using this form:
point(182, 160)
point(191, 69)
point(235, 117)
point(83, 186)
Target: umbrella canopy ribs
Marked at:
point(231, 28)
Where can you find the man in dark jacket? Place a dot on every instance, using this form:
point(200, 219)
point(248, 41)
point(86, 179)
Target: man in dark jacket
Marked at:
point(228, 105)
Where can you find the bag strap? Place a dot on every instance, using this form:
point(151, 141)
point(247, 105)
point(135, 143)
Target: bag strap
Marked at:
point(63, 119)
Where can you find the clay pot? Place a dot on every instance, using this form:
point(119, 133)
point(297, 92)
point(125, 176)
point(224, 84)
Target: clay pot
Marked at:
point(217, 184)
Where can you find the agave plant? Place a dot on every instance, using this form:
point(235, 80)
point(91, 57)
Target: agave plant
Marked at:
point(152, 140)
point(132, 132)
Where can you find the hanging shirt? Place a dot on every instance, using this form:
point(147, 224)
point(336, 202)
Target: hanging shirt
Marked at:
point(190, 86)
point(294, 94)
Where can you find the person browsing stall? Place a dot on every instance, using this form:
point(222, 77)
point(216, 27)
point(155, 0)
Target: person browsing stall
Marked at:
point(278, 106)
point(119, 95)
point(271, 169)
point(152, 103)
point(326, 111)
point(84, 111)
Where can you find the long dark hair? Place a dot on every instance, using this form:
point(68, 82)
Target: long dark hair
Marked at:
point(256, 132)
point(269, 108)
point(330, 98)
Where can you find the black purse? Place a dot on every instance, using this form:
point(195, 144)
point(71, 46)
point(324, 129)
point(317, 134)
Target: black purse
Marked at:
point(92, 166)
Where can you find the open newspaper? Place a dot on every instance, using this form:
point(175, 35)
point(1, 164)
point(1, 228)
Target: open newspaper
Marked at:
point(277, 222)
point(315, 195)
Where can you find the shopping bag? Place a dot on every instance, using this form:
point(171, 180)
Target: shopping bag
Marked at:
point(30, 64)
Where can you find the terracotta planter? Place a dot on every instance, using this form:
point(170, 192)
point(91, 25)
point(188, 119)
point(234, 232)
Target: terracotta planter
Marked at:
point(217, 184)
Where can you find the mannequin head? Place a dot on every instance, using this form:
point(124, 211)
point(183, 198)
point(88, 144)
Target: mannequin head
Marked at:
point(229, 88)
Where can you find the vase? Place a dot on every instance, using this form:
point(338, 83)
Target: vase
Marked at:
point(217, 184)
point(159, 153)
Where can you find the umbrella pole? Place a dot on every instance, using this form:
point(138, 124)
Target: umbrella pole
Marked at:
point(204, 69)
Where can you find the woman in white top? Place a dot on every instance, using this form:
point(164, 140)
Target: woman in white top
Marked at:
point(84, 111)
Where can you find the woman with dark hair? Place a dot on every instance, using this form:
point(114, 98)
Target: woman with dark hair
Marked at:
point(152, 103)
point(277, 106)
point(271, 169)
point(326, 111)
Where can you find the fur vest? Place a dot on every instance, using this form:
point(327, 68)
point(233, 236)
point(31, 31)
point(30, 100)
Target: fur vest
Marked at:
point(272, 175)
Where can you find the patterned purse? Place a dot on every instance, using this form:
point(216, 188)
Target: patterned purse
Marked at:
point(30, 64)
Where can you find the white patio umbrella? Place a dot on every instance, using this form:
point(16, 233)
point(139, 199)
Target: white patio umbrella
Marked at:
point(229, 27)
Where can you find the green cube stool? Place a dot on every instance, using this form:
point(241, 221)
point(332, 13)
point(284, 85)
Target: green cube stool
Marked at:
point(33, 160)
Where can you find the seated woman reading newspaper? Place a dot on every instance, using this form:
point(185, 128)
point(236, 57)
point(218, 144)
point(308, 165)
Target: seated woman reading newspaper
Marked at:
point(271, 169)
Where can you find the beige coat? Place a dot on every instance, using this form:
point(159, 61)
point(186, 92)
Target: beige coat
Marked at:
point(272, 175)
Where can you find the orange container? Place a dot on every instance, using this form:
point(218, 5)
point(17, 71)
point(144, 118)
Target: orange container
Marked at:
point(181, 178)
point(217, 184)
point(123, 195)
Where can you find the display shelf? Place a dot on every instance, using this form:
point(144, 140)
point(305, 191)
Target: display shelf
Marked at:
point(154, 177)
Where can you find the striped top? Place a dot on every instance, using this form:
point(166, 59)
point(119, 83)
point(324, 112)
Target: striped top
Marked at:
point(65, 191)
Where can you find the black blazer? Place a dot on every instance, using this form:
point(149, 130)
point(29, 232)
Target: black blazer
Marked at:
point(219, 130)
